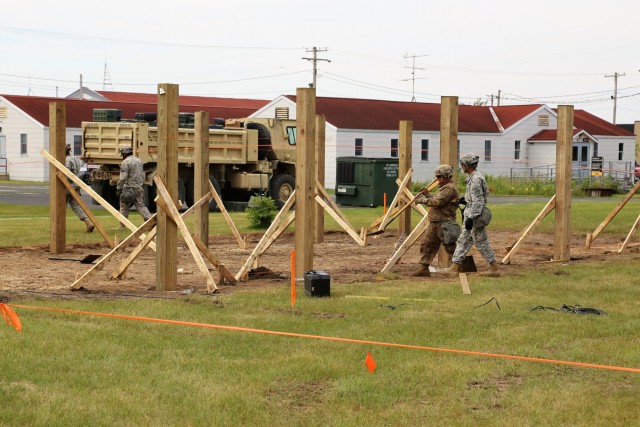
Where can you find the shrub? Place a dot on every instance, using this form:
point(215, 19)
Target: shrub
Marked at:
point(261, 211)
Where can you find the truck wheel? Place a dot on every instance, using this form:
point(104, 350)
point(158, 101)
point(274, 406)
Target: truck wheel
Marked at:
point(281, 188)
point(150, 193)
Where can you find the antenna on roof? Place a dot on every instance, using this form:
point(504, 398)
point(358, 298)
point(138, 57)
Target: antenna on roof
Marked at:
point(30, 92)
point(106, 81)
point(413, 74)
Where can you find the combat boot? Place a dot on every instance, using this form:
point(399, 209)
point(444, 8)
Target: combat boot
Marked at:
point(423, 271)
point(492, 272)
point(89, 225)
point(452, 271)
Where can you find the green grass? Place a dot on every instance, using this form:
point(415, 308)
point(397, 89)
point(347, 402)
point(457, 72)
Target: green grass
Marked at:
point(29, 225)
point(68, 369)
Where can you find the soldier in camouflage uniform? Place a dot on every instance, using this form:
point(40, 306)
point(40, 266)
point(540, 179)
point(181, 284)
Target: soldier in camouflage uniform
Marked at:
point(476, 195)
point(74, 164)
point(442, 212)
point(129, 188)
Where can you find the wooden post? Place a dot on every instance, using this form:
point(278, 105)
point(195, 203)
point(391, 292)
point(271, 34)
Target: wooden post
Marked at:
point(636, 130)
point(167, 240)
point(404, 165)
point(305, 179)
point(448, 150)
point(57, 190)
point(561, 250)
point(201, 175)
point(320, 165)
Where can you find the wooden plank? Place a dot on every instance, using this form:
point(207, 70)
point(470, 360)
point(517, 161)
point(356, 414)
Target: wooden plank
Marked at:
point(320, 165)
point(341, 223)
point(323, 194)
point(305, 179)
point(591, 237)
point(167, 204)
point(241, 242)
point(633, 230)
point(167, 161)
point(278, 231)
point(148, 225)
point(223, 272)
point(404, 165)
point(106, 205)
point(57, 196)
point(464, 283)
point(561, 247)
point(399, 194)
point(545, 211)
point(241, 274)
point(85, 208)
point(449, 132)
point(408, 242)
point(416, 206)
point(201, 174)
point(121, 271)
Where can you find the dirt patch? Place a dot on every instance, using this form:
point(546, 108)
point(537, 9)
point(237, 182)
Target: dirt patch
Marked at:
point(28, 271)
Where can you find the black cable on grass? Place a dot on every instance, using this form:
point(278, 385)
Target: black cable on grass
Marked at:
point(574, 309)
point(492, 299)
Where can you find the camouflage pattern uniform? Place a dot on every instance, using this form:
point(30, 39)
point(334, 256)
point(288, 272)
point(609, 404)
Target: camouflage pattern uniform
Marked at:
point(132, 176)
point(476, 195)
point(74, 164)
point(442, 208)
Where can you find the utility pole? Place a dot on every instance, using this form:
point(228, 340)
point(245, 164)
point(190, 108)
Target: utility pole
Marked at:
point(315, 60)
point(615, 92)
point(413, 74)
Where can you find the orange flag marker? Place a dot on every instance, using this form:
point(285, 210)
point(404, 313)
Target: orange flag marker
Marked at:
point(371, 364)
point(10, 317)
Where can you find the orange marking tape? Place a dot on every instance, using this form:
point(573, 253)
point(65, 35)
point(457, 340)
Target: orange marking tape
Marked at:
point(346, 340)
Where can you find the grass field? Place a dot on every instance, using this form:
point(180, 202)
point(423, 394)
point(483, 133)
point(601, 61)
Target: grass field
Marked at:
point(78, 369)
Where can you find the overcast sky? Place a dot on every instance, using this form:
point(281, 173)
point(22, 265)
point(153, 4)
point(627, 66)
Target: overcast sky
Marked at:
point(544, 51)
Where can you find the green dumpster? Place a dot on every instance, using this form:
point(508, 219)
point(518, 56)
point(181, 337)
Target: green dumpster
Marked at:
point(363, 181)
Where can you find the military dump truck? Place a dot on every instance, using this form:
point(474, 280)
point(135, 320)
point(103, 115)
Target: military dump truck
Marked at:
point(246, 157)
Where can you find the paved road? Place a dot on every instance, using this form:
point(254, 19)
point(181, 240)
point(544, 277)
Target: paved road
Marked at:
point(26, 194)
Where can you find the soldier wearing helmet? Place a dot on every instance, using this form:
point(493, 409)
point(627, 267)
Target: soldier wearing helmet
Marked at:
point(74, 164)
point(476, 217)
point(442, 228)
point(129, 188)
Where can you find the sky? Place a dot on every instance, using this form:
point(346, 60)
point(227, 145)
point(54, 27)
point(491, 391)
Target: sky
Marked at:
point(554, 52)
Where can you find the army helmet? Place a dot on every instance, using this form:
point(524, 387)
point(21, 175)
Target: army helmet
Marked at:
point(469, 159)
point(126, 150)
point(444, 170)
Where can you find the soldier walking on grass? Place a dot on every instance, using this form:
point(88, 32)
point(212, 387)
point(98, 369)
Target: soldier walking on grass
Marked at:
point(442, 228)
point(476, 217)
point(129, 188)
point(74, 164)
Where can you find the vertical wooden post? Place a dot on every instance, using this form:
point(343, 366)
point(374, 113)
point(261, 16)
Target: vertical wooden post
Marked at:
point(561, 249)
point(404, 164)
point(201, 175)
point(57, 190)
point(305, 179)
point(167, 239)
point(636, 130)
point(448, 150)
point(320, 171)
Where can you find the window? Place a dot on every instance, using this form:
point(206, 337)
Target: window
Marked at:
point(424, 152)
point(487, 150)
point(77, 145)
point(291, 135)
point(394, 148)
point(543, 120)
point(516, 150)
point(620, 150)
point(358, 147)
point(23, 144)
point(595, 149)
point(574, 154)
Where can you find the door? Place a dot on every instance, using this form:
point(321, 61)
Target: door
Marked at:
point(3, 153)
point(580, 157)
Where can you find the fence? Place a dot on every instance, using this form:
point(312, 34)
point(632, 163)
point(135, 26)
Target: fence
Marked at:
point(618, 171)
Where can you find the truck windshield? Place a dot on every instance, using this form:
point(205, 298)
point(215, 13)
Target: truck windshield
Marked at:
point(291, 133)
